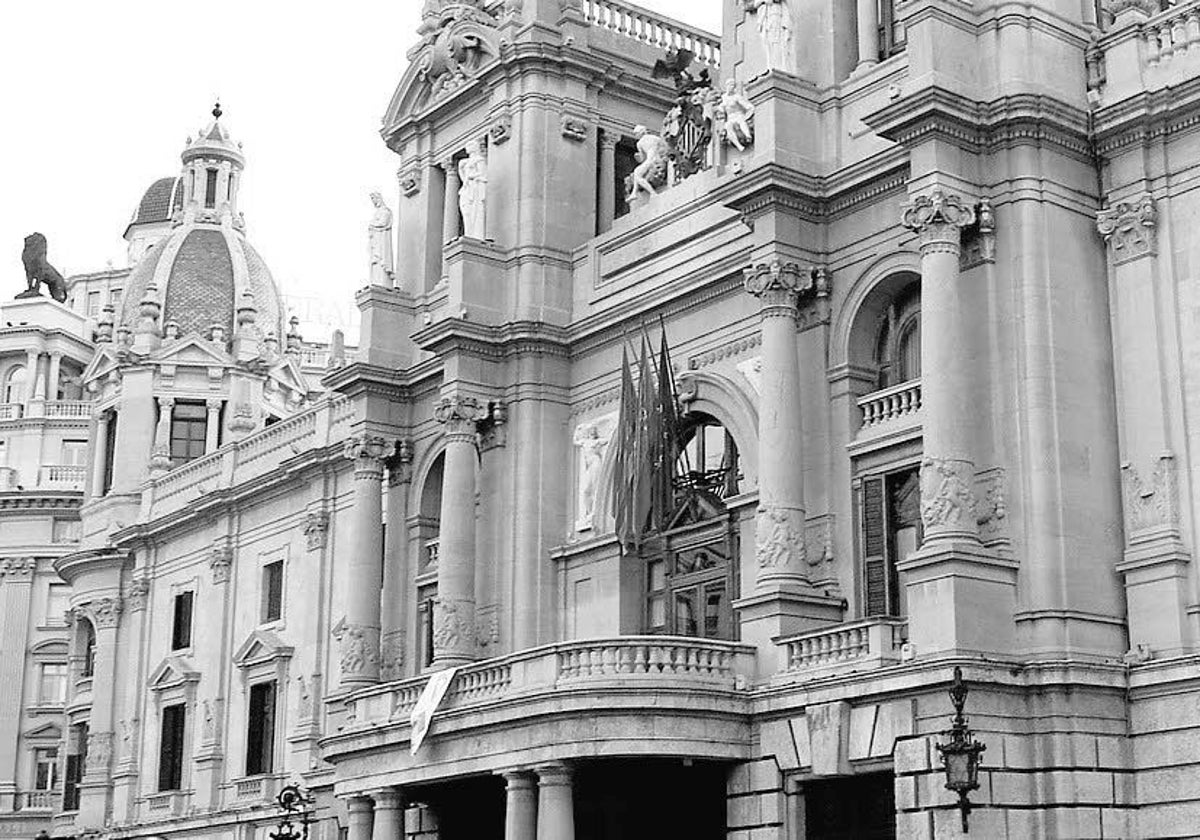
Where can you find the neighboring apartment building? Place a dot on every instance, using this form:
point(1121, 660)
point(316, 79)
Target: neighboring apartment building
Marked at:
point(930, 309)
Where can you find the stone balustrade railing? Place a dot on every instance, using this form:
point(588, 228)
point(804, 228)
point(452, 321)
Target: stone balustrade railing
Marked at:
point(72, 409)
point(324, 424)
point(665, 662)
point(858, 645)
point(652, 28)
point(34, 800)
point(879, 407)
point(1141, 53)
point(61, 477)
point(10, 411)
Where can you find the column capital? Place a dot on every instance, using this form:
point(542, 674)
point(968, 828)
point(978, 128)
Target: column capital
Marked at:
point(104, 612)
point(518, 779)
point(553, 774)
point(778, 284)
point(449, 165)
point(400, 464)
point(367, 452)
point(459, 415)
point(938, 218)
point(1130, 227)
point(359, 804)
point(16, 569)
point(214, 403)
point(166, 402)
point(609, 138)
point(387, 799)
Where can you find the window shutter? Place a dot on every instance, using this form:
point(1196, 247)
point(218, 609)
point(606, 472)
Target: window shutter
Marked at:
point(874, 541)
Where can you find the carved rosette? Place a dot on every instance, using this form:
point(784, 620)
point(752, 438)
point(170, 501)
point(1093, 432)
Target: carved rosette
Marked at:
point(1150, 503)
point(948, 505)
point(779, 286)
point(779, 538)
point(99, 752)
point(359, 655)
point(367, 452)
point(135, 597)
point(17, 569)
point(220, 561)
point(938, 219)
point(1130, 228)
point(454, 628)
point(391, 655)
point(316, 526)
point(459, 415)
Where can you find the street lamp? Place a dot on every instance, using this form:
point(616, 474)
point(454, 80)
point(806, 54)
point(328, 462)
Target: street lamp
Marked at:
point(42, 835)
point(960, 757)
point(294, 803)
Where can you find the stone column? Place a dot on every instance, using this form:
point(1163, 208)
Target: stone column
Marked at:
point(454, 610)
point(396, 593)
point(360, 818)
point(212, 428)
point(358, 631)
point(53, 376)
point(608, 180)
point(520, 813)
point(96, 786)
point(779, 526)
point(556, 806)
point(160, 458)
point(389, 815)
point(450, 225)
point(948, 468)
point(16, 582)
point(35, 386)
point(868, 34)
point(99, 451)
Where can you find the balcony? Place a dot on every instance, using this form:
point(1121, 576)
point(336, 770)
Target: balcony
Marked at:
point(61, 477)
point(166, 804)
point(843, 649)
point(1144, 54)
point(10, 411)
point(891, 411)
point(627, 695)
point(253, 790)
point(35, 800)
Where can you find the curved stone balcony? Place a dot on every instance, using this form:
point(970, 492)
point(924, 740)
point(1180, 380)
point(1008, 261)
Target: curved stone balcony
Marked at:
point(629, 695)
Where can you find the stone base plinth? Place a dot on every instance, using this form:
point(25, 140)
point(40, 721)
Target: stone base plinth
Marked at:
point(783, 611)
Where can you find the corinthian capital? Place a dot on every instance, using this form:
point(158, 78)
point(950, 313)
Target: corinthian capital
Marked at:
point(367, 453)
point(938, 219)
point(459, 414)
point(105, 612)
point(778, 283)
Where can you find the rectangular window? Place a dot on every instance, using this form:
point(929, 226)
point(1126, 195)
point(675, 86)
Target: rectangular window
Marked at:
point(114, 297)
point(52, 689)
point(93, 304)
point(73, 453)
point(45, 768)
point(426, 595)
point(57, 599)
point(76, 756)
point(210, 189)
point(272, 591)
point(260, 731)
point(189, 427)
point(170, 748)
point(110, 451)
point(181, 628)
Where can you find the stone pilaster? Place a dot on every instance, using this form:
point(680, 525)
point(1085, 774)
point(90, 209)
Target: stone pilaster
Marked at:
point(960, 596)
point(358, 631)
point(608, 179)
point(396, 595)
point(16, 585)
point(556, 807)
point(160, 458)
point(454, 610)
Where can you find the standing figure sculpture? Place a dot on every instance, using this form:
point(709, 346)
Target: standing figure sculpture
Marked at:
point(472, 194)
point(738, 111)
point(379, 244)
point(773, 18)
point(38, 270)
point(651, 171)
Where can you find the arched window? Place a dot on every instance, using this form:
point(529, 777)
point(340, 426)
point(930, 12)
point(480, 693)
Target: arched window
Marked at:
point(427, 559)
point(898, 345)
point(14, 385)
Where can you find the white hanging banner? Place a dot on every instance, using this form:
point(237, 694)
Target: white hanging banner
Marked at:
point(422, 713)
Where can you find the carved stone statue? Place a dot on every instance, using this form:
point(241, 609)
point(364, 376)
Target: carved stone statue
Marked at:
point(379, 244)
point(650, 174)
point(738, 111)
point(472, 195)
point(38, 270)
point(592, 440)
point(773, 19)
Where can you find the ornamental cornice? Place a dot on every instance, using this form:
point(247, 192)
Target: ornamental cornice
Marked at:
point(1147, 118)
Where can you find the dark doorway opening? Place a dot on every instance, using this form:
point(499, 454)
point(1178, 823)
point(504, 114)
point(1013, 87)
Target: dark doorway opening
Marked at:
point(859, 807)
point(467, 809)
point(650, 799)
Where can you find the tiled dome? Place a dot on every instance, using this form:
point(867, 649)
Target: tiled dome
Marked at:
point(161, 200)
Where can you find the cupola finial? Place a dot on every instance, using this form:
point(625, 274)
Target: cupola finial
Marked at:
point(216, 111)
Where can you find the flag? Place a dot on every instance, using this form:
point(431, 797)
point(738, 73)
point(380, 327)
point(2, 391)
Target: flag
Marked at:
point(645, 450)
point(623, 472)
point(669, 425)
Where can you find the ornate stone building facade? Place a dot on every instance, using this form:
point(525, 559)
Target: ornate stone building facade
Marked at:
point(928, 290)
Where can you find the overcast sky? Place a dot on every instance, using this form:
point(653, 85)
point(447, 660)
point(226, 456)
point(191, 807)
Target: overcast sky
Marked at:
point(99, 97)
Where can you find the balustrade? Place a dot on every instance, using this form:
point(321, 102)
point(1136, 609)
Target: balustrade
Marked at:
point(34, 800)
point(10, 411)
point(872, 642)
point(651, 28)
point(68, 409)
point(899, 401)
point(61, 477)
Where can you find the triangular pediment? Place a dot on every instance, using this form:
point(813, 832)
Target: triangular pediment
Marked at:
point(48, 731)
point(260, 646)
point(172, 671)
point(288, 376)
point(191, 351)
point(104, 362)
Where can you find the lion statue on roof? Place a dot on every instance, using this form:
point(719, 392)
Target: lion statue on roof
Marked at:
point(38, 269)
